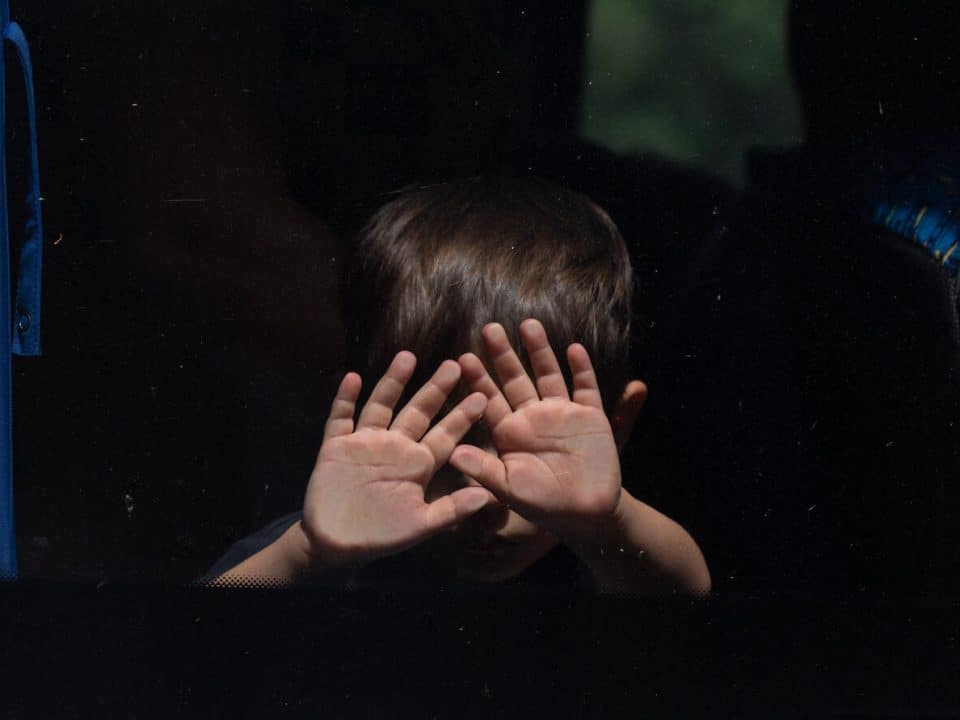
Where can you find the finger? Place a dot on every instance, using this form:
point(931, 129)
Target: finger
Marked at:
point(546, 369)
point(444, 436)
point(586, 391)
point(518, 389)
point(449, 510)
point(486, 469)
point(379, 408)
point(478, 379)
point(415, 418)
point(340, 420)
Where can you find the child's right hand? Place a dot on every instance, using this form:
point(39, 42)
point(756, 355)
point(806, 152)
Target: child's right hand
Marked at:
point(366, 498)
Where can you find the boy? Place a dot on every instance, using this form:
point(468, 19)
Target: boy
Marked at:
point(541, 468)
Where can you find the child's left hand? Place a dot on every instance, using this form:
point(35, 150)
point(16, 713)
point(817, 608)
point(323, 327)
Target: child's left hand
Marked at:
point(558, 463)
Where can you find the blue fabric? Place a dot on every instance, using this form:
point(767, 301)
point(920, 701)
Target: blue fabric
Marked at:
point(24, 338)
point(921, 202)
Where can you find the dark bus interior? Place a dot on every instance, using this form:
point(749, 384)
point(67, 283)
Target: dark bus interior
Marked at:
point(205, 167)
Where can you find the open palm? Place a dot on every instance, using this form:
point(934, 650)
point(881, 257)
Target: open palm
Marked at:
point(366, 496)
point(558, 463)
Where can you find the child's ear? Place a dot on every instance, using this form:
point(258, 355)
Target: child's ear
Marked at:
point(628, 408)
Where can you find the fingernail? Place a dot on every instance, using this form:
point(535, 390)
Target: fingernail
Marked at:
point(476, 404)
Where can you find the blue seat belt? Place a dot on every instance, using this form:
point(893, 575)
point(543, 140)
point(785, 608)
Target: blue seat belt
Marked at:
point(24, 338)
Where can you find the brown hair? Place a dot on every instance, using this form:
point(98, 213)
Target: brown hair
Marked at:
point(437, 263)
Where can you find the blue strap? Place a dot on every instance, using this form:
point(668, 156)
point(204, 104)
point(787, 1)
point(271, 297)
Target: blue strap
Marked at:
point(26, 322)
point(25, 338)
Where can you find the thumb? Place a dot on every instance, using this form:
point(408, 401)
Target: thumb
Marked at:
point(449, 510)
point(486, 469)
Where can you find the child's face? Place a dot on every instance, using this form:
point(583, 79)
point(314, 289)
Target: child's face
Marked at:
point(493, 545)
